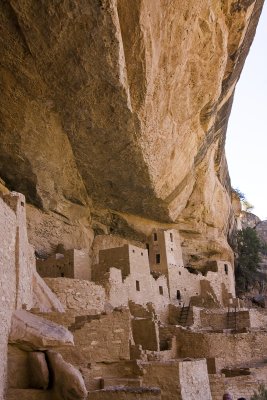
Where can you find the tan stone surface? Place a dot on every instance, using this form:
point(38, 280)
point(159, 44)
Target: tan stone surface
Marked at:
point(178, 379)
point(68, 383)
point(31, 332)
point(29, 394)
point(249, 220)
point(194, 380)
point(153, 145)
point(48, 229)
point(126, 394)
point(16, 268)
point(18, 368)
point(82, 297)
point(231, 348)
point(71, 263)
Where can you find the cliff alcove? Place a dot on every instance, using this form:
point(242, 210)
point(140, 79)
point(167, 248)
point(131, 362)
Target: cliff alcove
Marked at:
point(116, 208)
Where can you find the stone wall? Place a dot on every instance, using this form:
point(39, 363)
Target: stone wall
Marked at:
point(104, 242)
point(194, 380)
point(231, 348)
point(16, 266)
point(219, 319)
point(70, 264)
point(187, 380)
point(125, 274)
point(126, 394)
point(25, 261)
point(115, 257)
point(103, 338)
point(81, 296)
point(146, 333)
point(166, 257)
point(238, 386)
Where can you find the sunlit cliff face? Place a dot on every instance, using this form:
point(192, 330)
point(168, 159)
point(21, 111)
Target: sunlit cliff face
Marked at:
point(123, 105)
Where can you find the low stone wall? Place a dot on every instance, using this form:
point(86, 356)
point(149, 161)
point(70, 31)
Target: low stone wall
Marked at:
point(217, 386)
point(145, 333)
point(241, 386)
point(231, 348)
point(100, 338)
point(178, 379)
point(219, 320)
point(126, 394)
point(237, 386)
point(82, 296)
point(258, 318)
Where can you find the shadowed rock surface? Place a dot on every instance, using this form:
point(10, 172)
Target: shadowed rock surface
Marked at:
point(29, 332)
point(68, 383)
point(124, 103)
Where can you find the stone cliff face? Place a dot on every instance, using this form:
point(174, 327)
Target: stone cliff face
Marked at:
point(123, 105)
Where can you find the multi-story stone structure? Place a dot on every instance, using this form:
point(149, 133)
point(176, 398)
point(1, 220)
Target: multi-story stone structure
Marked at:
point(71, 263)
point(127, 314)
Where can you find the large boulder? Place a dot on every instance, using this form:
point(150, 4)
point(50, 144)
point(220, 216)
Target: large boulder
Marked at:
point(68, 383)
point(31, 332)
point(43, 297)
point(38, 369)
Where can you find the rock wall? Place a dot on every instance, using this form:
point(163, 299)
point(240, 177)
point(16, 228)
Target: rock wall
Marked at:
point(126, 103)
point(249, 220)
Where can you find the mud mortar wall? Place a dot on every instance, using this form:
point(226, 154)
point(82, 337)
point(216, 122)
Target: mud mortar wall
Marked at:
point(8, 228)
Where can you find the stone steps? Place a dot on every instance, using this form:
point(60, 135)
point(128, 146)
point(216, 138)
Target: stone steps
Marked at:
point(28, 394)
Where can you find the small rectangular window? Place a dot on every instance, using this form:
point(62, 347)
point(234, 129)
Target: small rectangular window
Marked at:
point(161, 290)
point(226, 269)
point(171, 237)
point(157, 258)
point(155, 237)
point(178, 295)
point(137, 283)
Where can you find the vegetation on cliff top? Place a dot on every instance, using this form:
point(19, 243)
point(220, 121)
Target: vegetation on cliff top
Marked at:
point(248, 249)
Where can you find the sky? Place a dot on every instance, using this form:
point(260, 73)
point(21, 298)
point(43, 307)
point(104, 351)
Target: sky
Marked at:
point(246, 143)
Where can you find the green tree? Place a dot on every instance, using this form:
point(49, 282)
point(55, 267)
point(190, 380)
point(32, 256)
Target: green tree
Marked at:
point(240, 194)
point(246, 205)
point(248, 249)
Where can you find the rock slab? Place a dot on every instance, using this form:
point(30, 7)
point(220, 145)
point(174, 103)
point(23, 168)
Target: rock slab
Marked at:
point(31, 332)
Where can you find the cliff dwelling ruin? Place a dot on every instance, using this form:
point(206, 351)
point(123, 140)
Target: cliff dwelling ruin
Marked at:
point(116, 213)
